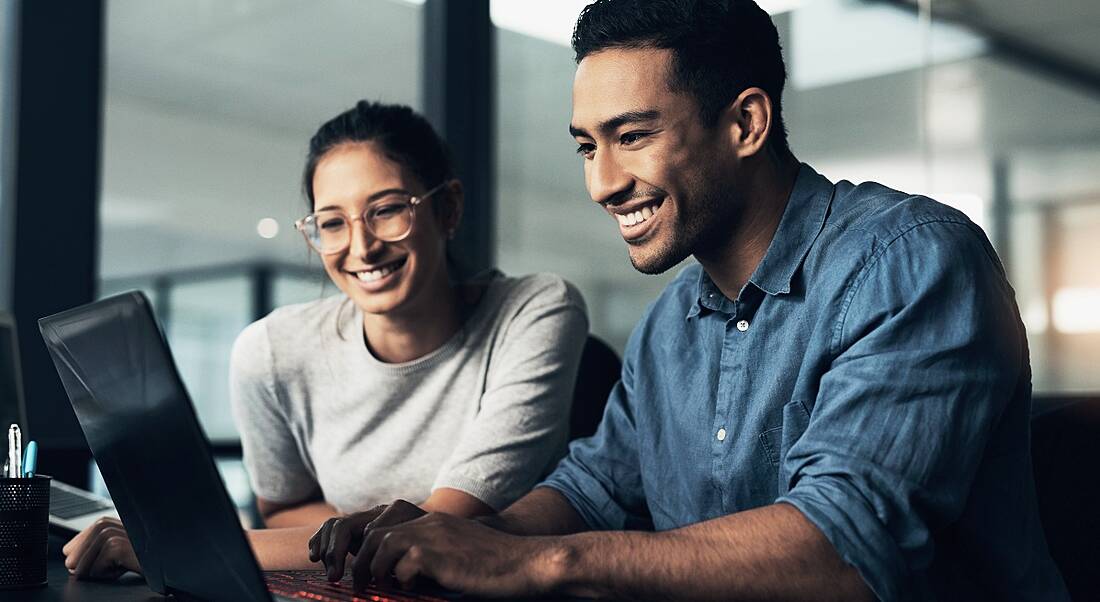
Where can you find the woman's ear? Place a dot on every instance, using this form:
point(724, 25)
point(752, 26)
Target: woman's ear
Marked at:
point(452, 207)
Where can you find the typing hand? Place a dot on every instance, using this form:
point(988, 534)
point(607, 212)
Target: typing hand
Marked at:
point(459, 554)
point(340, 536)
point(101, 551)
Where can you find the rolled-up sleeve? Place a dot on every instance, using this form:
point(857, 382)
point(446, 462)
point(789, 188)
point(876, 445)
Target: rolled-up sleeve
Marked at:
point(601, 477)
point(927, 351)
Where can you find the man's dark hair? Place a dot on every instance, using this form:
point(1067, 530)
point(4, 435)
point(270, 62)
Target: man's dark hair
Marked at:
point(719, 48)
point(401, 134)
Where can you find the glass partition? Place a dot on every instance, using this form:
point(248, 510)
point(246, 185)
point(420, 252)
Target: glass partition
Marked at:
point(209, 107)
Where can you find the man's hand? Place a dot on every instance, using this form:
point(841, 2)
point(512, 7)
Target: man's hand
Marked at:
point(460, 554)
point(101, 551)
point(340, 536)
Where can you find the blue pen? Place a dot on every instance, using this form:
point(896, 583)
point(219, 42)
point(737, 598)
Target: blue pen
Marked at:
point(30, 461)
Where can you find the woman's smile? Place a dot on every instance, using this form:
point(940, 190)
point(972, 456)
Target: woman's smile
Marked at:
point(379, 276)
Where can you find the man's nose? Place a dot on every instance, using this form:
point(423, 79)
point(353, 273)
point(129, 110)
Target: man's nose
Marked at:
point(607, 178)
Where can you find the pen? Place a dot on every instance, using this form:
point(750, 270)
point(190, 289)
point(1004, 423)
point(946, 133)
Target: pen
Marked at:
point(15, 451)
point(30, 460)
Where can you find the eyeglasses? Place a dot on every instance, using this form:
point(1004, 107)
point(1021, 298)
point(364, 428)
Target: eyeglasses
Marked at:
point(388, 219)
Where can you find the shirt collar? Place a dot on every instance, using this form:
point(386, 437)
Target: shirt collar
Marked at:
point(710, 297)
point(802, 221)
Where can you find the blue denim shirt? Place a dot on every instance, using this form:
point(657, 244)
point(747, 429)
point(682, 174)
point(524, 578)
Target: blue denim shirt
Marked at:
point(873, 374)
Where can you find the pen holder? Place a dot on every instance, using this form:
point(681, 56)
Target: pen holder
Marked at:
point(24, 531)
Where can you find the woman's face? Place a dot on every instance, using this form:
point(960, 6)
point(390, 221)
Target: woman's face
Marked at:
point(381, 277)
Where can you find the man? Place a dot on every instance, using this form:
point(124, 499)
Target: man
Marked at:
point(833, 403)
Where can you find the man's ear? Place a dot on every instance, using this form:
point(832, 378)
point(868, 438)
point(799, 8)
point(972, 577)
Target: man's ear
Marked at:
point(451, 213)
point(748, 120)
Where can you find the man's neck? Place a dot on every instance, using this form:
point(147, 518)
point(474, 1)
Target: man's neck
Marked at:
point(765, 195)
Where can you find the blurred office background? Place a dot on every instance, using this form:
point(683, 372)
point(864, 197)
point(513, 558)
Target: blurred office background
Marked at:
point(206, 107)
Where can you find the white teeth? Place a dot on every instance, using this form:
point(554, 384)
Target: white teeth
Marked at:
point(373, 275)
point(631, 219)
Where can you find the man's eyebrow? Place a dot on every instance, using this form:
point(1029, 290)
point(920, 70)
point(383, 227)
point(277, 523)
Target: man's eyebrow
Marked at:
point(373, 197)
point(614, 123)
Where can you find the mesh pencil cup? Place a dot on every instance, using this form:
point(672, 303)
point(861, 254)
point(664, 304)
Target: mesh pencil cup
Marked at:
point(24, 531)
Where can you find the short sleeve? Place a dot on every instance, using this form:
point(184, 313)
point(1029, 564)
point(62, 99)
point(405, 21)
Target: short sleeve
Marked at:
point(271, 457)
point(601, 476)
point(522, 423)
point(927, 354)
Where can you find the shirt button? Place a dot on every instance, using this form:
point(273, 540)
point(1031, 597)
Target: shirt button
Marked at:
point(742, 325)
point(721, 434)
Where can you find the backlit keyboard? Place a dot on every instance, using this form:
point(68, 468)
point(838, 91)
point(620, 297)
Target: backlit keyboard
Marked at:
point(312, 585)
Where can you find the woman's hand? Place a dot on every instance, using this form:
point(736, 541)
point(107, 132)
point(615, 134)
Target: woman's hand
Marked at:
point(101, 551)
point(340, 536)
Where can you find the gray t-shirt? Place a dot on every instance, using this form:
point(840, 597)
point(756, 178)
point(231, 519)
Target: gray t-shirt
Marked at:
point(487, 413)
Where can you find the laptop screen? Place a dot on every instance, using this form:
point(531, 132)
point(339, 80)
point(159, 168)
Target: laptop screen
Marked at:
point(155, 459)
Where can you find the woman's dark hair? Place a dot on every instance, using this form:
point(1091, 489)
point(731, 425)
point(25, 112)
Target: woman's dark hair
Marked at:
point(719, 47)
point(400, 133)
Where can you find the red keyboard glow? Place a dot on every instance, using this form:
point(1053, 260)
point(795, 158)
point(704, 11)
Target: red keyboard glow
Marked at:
point(312, 585)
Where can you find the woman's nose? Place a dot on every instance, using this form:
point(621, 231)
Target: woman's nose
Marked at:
point(363, 244)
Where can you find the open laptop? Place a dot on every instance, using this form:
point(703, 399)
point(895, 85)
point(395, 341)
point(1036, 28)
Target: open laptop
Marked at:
point(71, 509)
point(157, 464)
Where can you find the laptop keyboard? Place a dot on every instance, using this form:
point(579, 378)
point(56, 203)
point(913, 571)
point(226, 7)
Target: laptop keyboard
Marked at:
point(312, 585)
point(66, 504)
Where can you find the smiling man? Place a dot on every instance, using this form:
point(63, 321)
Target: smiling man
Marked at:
point(833, 403)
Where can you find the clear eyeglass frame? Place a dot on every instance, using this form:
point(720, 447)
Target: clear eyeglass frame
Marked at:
point(311, 230)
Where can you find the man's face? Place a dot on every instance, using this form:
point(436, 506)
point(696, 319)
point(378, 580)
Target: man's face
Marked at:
point(648, 160)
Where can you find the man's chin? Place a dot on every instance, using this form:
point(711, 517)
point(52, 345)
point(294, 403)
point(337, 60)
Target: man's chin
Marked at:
point(655, 261)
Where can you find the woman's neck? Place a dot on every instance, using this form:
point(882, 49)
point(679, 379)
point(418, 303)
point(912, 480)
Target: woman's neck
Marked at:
point(429, 321)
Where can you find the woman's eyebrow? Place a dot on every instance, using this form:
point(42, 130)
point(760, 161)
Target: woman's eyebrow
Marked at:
point(371, 198)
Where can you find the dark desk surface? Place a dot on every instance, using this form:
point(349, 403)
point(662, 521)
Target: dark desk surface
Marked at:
point(63, 586)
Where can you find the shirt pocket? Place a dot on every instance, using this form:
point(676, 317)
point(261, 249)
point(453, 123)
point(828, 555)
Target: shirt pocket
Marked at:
point(776, 441)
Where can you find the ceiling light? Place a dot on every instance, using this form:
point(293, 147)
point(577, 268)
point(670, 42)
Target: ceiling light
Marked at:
point(267, 228)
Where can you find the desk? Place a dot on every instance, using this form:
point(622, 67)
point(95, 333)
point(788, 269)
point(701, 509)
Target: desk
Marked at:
point(63, 586)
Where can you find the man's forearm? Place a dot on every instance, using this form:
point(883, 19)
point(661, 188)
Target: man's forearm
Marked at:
point(311, 514)
point(544, 511)
point(282, 549)
point(772, 552)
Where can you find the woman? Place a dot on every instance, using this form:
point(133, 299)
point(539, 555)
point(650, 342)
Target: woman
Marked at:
point(455, 396)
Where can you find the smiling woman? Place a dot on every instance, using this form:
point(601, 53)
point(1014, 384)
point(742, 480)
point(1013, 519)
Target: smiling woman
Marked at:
point(410, 385)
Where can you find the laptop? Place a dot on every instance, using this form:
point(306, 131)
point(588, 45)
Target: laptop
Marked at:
point(156, 460)
point(71, 509)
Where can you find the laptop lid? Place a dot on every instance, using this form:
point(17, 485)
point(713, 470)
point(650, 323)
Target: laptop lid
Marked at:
point(12, 407)
point(156, 461)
